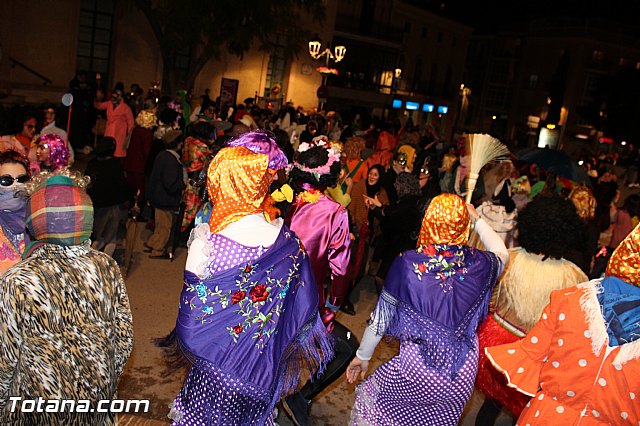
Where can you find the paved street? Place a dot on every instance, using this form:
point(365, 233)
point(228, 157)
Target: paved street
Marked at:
point(154, 286)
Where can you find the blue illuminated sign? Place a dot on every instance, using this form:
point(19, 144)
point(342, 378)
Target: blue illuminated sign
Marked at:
point(412, 106)
point(427, 107)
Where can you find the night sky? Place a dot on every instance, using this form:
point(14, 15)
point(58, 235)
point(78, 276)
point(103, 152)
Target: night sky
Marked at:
point(485, 14)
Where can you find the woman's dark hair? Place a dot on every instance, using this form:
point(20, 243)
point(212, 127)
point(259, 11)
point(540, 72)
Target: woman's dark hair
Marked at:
point(168, 116)
point(316, 156)
point(379, 168)
point(105, 147)
point(14, 157)
point(221, 141)
point(282, 139)
point(604, 193)
point(201, 131)
point(549, 226)
point(632, 205)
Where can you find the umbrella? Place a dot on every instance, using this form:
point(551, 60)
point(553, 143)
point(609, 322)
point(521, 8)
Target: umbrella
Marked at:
point(551, 160)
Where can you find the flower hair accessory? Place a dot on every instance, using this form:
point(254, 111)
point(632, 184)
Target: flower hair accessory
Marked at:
point(334, 155)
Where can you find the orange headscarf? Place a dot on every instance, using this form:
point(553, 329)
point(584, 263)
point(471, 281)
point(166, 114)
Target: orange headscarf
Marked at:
point(625, 260)
point(238, 180)
point(446, 221)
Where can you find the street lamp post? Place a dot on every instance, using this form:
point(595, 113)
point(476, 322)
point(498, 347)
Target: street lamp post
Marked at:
point(316, 52)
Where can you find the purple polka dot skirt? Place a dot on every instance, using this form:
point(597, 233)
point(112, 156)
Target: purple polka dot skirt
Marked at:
point(210, 397)
point(405, 391)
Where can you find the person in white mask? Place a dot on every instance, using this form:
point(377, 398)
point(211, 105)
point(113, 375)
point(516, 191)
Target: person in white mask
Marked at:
point(14, 173)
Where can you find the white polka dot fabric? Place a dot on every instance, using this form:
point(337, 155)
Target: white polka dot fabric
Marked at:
point(230, 254)
point(405, 391)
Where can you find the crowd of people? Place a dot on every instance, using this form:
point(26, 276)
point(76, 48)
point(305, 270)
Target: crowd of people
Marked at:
point(286, 212)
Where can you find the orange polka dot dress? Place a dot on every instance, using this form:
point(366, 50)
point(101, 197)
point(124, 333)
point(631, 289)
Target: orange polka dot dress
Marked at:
point(566, 364)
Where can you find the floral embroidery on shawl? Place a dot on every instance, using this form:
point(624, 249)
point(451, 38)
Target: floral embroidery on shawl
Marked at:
point(444, 262)
point(249, 297)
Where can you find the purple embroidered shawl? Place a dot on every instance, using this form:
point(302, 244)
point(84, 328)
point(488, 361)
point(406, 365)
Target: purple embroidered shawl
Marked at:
point(436, 296)
point(257, 324)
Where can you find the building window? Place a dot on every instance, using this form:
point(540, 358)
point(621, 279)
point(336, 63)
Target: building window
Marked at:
point(496, 98)
point(425, 32)
point(499, 72)
point(385, 80)
point(276, 70)
point(433, 81)
point(590, 89)
point(94, 36)
point(533, 81)
point(447, 79)
point(417, 75)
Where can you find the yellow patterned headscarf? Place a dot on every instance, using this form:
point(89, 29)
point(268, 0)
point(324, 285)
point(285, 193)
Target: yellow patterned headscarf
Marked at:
point(446, 221)
point(147, 119)
point(585, 202)
point(238, 180)
point(410, 152)
point(625, 260)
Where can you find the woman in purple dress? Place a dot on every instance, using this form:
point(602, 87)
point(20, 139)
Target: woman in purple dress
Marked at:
point(248, 318)
point(433, 300)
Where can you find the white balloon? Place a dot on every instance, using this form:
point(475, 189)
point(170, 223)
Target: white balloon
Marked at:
point(67, 99)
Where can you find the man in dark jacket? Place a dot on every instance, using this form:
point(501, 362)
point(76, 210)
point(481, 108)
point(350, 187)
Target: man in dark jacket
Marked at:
point(168, 179)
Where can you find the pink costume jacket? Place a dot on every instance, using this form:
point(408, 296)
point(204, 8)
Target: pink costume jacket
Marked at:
point(119, 124)
point(323, 228)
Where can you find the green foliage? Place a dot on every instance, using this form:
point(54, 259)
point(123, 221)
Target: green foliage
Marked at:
point(205, 28)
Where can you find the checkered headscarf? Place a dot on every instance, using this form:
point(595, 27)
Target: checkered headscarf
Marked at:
point(60, 212)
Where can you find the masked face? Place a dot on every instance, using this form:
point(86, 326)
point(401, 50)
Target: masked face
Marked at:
point(13, 176)
point(116, 98)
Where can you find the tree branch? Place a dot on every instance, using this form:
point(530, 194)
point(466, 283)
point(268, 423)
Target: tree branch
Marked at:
point(152, 18)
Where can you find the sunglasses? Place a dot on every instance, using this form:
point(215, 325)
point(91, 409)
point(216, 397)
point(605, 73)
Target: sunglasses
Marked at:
point(30, 126)
point(7, 180)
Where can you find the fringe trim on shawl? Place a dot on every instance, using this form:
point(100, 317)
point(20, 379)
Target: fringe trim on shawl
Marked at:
point(174, 358)
point(527, 282)
point(312, 349)
point(441, 348)
point(598, 326)
point(593, 314)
